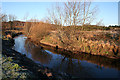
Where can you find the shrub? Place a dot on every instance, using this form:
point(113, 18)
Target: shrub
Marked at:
point(38, 29)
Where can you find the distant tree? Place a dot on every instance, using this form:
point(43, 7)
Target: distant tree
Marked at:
point(110, 26)
point(4, 18)
point(100, 23)
point(11, 18)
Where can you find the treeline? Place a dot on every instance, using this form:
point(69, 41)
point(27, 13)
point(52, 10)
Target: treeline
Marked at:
point(92, 27)
point(115, 26)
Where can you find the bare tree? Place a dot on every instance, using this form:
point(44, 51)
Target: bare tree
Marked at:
point(55, 15)
point(29, 24)
point(100, 23)
point(3, 18)
point(11, 18)
point(89, 14)
point(72, 13)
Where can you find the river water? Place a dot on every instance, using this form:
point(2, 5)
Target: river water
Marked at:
point(80, 66)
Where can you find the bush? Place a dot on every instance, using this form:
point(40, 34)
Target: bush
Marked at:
point(38, 29)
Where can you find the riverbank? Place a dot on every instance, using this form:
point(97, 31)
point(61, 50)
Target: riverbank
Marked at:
point(101, 43)
point(67, 50)
point(33, 70)
point(78, 65)
point(102, 61)
point(90, 39)
point(22, 61)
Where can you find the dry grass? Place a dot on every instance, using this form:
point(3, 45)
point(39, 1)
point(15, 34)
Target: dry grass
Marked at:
point(94, 42)
point(38, 29)
point(97, 42)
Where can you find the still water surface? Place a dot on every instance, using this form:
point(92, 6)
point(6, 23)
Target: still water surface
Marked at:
point(82, 66)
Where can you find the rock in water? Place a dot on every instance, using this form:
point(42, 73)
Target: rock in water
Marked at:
point(49, 74)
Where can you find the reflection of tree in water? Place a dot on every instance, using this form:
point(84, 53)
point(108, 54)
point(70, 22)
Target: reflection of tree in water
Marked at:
point(68, 64)
point(28, 46)
point(41, 55)
point(75, 68)
point(37, 53)
point(100, 61)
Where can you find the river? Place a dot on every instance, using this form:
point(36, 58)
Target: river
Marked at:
point(80, 66)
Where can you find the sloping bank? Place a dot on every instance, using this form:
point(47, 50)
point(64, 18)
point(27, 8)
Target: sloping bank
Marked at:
point(99, 60)
point(94, 43)
point(37, 72)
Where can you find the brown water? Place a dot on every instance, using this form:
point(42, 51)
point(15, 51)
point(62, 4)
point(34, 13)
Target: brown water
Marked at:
point(78, 66)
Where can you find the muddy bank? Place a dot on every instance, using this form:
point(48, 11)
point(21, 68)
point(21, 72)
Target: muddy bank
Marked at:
point(40, 72)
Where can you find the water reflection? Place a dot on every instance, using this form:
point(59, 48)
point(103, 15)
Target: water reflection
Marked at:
point(80, 65)
point(98, 60)
point(57, 62)
point(40, 55)
point(37, 53)
point(20, 44)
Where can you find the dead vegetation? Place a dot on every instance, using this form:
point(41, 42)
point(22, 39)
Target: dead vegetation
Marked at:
point(38, 29)
point(104, 43)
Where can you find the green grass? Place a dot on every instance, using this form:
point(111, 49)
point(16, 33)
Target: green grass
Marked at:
point(13, 70)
